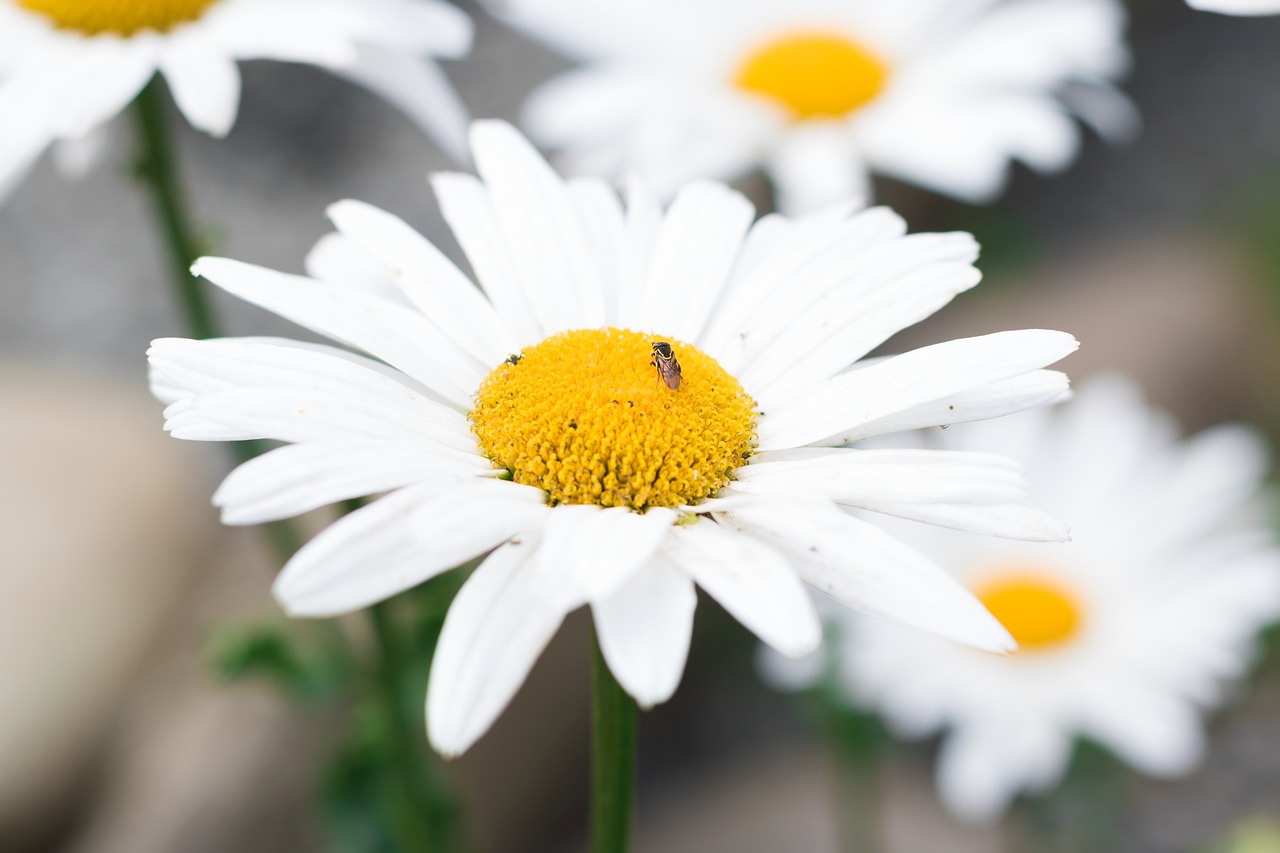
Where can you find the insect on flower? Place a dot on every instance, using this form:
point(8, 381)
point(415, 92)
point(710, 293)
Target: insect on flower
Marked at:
point(665, 360)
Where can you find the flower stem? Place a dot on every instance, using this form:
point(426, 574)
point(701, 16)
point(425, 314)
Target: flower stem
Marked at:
point(1085, 812)
point(859, 746)
point(613, 757)
point(417, 807)
point(158, 167)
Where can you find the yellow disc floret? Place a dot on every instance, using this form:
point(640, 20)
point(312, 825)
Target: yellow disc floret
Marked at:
point(813, 74)
point(1035, 609)
point(586, 416)
point(122, 17)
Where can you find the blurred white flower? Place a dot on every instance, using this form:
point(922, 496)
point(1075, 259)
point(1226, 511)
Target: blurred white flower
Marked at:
point(941, 93)
point(1124, 633)
point(1237, 7)
point(68, 66)
point(528, 421)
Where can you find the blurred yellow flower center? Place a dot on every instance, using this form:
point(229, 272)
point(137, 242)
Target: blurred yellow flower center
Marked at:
point(813, 74)
point(587, 417)
point(122, 17)
point(1037, 611)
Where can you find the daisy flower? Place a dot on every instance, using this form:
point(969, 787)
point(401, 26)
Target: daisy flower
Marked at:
point(1236, 7)
point(1124, 633)
point(941, 93)
point(68, 66)
point(527, 420)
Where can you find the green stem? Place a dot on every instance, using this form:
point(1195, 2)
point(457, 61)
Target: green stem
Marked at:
point(158, 169)
point(1086, 810)
point(613, 757)
point(859, 749)
point(158, 166)
point(419, 810)
point(859, 785)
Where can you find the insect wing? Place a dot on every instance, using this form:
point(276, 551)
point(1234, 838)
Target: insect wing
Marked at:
point(668, 368)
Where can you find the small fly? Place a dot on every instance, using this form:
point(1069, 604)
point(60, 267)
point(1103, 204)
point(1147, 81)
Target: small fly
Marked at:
point(514, 358)
point(665, 360)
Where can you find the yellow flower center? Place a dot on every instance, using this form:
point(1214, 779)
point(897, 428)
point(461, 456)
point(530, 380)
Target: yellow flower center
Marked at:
point(1036, 610)
point(122, 17)
point(813, 74)
point(587, 417)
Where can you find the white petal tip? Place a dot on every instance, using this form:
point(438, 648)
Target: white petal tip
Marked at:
point(490, 136)
point(1056, 532)
point(1001, 642)
point(343, 207)
point(231, 518)
point(450, 745)
point(445, 752)
point(204, 264)
point(796, 649)
point(650, 698)
point(295, 605)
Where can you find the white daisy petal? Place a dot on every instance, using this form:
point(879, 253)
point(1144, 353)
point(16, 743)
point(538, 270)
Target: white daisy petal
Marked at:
point(498, 624)
point(380, 328)
point(696, 247)
point(856, 477)
point(298, 478)
point(285, 374)
point(817, 166)
point(118, 70)
point(1158, 734)
point(312, 32)
point(603, 548)
point(750, 580)
point(418, 88)
point(432, 26)
point(469, 211)
point(18, 153)
point(76, 158)
point(216, 364)
point(865, 568)
point(1210, 477)
point(242, 414)
point(912, 379)
point(601, 214)
point(1010, 521)
point(978, 770)
point(336, 259)
point(643, 224)
point(401, 540)
point(644, 628)
point(1236, 7)
point(205, 84)
point(428, 279)
point(792, 262)
point(984, 134)
point(843, 329)
point(540, 227)
point(993, 400)
point(845, 302)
